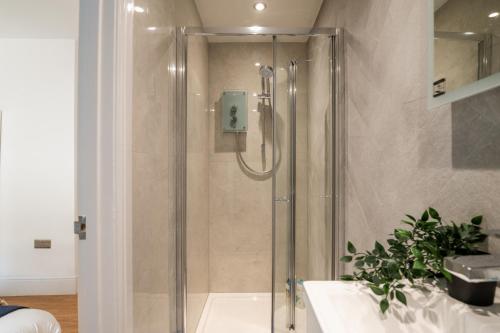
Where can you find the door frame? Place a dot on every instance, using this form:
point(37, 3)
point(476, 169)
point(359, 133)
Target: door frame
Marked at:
point(104, 164)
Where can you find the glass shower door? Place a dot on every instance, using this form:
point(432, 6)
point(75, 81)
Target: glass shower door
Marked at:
point(282, 194)
point(304, 178)
point(290, 179)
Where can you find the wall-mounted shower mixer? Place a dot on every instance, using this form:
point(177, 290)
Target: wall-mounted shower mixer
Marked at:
point(234, 111)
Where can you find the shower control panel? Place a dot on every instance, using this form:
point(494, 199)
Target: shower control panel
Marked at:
point(234, 106)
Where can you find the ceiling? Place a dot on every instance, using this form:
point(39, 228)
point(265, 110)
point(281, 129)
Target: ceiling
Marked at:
point(240, 13)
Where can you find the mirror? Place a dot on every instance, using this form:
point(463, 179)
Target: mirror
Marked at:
point(465, 48)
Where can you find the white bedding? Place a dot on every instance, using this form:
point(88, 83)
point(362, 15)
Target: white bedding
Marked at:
point(29, 321)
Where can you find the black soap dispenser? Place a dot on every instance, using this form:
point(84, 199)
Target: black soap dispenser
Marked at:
point(474, 278)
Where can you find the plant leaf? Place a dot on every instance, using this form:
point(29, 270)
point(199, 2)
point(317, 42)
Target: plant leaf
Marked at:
point(418, 265)
point(351, 248)
point(346, 259)
point(446, 274)
point(347, 278)
point(386, 288)
point(402, 234)
point(384, 305)
point(411, 218)
point(429, 247)
point(434, 214)
point(409, 223)
point(416, 252)
point(376, 290)
point(401, 297)
point(477, 220)
point(379, 247)
point(425, 216)
point(370, 259)
point(359, 264)
point(392, 242)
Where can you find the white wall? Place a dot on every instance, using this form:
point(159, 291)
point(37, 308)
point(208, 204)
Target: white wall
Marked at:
point(37, 152)
point(37, 162)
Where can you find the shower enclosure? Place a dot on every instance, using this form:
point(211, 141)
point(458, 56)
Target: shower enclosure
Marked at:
point(259, 164)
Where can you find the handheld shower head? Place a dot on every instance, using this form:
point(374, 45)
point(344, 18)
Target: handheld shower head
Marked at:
point(266, 71)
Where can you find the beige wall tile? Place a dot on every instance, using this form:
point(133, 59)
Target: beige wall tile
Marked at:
point(240, 272)
point(153, 165)
point(241, 205)
point(402, 157)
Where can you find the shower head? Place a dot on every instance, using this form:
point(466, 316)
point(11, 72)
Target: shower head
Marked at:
point(266, 71)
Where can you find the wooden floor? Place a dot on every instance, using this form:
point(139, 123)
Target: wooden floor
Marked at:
point(64, 308)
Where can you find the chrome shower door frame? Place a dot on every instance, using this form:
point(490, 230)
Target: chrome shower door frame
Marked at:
point(339, 151)
point(178, 288)
point(292, 109)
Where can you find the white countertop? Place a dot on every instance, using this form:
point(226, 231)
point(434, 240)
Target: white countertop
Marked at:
point(350, 307)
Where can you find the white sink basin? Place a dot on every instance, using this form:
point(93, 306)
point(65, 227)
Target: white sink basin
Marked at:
point(350, 307)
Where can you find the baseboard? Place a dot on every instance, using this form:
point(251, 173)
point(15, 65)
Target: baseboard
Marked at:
point(33, 286)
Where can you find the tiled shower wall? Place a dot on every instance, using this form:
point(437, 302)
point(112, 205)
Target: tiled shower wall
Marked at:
point(197, 223)
point(403, 157)
point(241, 205)
point(319, 167)
point(153, 165)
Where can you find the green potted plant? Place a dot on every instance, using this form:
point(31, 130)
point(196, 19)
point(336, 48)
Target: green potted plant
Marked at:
point(413, 254)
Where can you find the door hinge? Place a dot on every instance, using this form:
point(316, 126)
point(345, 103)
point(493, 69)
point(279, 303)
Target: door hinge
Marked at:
point(81, 227)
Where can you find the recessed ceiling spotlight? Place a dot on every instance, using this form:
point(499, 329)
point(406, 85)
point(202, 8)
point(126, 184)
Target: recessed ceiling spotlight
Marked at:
point(494, 14)
point(152, 28)
point(468, 33)
point(257, 64)
point(259, 6)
